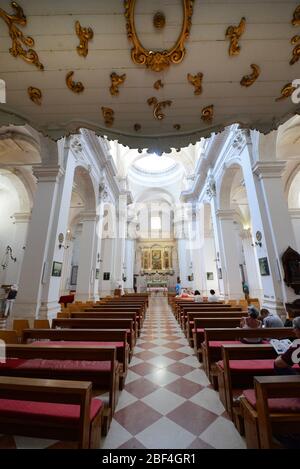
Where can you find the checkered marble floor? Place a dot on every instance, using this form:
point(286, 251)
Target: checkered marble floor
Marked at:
point(167, 402)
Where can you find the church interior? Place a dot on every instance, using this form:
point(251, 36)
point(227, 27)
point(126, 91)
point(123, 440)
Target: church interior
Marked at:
point(150, 224)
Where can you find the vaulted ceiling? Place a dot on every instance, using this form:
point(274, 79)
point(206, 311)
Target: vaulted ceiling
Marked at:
point(130, 116)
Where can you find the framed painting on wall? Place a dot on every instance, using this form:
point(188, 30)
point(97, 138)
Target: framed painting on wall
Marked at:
point(264, 266)
point(106, 275)
point(209, 275)
point(56, 269)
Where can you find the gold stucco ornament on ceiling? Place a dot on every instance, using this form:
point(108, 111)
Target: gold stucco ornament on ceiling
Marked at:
point(248, 80)
point(21, 45)
point(84, 35)
point(35, 95)
point(159, 20)
point(196, 81)
point(108, 115)
point(116, 81)
point(76, 87)
point(296, 51)
point(296, 17)
point(160, 59)
point(233, 33)
point(158, 106)
point(207, 113)
point(286, 92)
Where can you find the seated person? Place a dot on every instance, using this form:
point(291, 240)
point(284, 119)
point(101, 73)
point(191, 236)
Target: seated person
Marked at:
point(270, 320)
point(197, 297)
point(213, 297)
point(284, 363)
point(184, 294)
point(251, 322)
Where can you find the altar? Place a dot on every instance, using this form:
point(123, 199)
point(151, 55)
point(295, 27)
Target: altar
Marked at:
point(156, 284)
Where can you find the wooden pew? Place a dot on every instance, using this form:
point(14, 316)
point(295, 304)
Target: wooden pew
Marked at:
point(95, 314)
point(126, 324)
point(104, 338)
point(199, 306)
point(215, 338)
point(271, 408)
point(182, 318)
point(25, 417)
point(191, 316)
point(39, 362)
point(239, 365)
point(138, 309)
point(207, 323)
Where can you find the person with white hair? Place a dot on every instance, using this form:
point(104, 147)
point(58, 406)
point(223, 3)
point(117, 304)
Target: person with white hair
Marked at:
point(10, 299)
point(285, 363)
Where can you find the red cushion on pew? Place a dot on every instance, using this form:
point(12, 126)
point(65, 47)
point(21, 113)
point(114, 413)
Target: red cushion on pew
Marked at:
point(198, 330)
point(77, 342)
point(12, 363)
point(286, 405)
point(217, 343)
point(65, 365)
point(244, 366)
point(46, 410)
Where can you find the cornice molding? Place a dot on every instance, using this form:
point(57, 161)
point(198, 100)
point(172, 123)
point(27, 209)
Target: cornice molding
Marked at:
point(48, 173)
point(269, 169)
point(226, 214)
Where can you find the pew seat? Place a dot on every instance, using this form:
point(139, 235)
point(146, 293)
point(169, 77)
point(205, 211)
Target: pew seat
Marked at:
point(270, 411)
point(55, 409)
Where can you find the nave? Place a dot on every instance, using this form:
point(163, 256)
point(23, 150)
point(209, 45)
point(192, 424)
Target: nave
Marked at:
point(167, 401)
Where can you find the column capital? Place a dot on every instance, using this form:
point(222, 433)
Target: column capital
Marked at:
point(22, 217)
point(89, 215)
point(294, 213)
point(269, 169)
point(229, 214)
point(48, 173)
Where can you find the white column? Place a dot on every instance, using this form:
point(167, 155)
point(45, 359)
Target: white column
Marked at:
point(87, 258)
point(220, 255)
point(210, 265)
point(277, 226)
point(129, 264)
point(21, 222)
point(253, 275)
point(107, 260)
point(232, 276)
point(36, 267)
point(295, 218)
point(66, 271)
point(56, 250)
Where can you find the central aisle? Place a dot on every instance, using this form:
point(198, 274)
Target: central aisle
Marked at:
point(168, 401)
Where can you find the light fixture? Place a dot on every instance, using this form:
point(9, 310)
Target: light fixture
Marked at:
point(61, 239)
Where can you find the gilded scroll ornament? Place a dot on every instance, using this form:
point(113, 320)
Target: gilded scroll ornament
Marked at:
point(286, 91)
point(296, 50)
point(76, 87)
point(158, 84)
point(158, 60)
point(35, 95)
point(207, 113)
point(296, 17)
point(108, 115)
point(84, 35)
point(196, 81)
point(248, 80)
point(177, 126)
point(157, 107)
point(159, 20)
point(233, 33)
point(116, 81)
point(21, 45)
